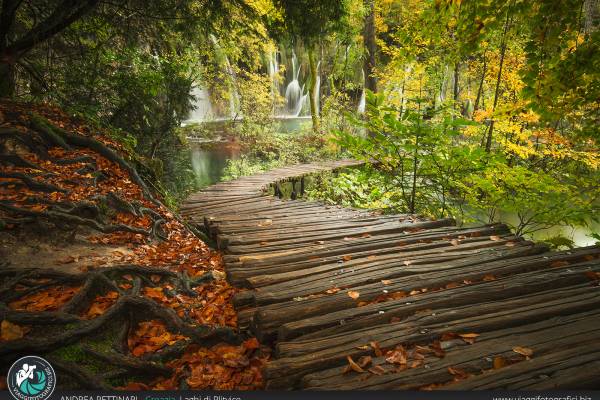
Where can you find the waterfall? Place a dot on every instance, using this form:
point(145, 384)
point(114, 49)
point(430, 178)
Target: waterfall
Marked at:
point(202, 108)
point(294, 94)
point(362, 104)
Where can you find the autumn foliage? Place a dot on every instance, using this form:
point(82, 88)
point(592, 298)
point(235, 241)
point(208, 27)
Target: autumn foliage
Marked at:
point(77, 191)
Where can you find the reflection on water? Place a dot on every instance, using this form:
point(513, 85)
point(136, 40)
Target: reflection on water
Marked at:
point(580, 235)
point(210, 159)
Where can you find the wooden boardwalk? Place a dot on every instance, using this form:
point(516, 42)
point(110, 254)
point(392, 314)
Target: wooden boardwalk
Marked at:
point(416, 304)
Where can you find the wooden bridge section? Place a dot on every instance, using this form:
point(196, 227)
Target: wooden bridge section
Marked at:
point(355, 300)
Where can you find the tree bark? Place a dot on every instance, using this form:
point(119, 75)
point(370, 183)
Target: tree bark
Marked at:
point(7, 80)
point(480, 89)
point(370, 46)
point(488, 142)
point(312, 91)
point(592, 15)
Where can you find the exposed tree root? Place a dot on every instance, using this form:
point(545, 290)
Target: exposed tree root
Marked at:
point(32, 183)
point(129, 309)
point(65, 139)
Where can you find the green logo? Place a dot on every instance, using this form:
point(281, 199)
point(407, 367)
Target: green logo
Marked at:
point(31, 378)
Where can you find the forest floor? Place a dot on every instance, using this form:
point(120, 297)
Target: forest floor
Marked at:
point(98, 276)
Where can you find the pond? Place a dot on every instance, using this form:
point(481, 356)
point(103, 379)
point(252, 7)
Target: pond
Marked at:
point(210, 159)
point(210, 156)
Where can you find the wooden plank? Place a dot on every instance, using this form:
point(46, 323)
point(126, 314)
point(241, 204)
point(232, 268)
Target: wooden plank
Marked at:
point(297, 359)
point(572, 332)
point(380, 313)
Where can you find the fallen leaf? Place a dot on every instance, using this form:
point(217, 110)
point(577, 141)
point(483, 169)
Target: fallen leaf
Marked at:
point(347, 258)
point(499, 362)
point(353, 294)
point(454, 242)
point(364, 361)
point(355, 367)
point(10, 331)
point(377, 370)
point(376, 348)
point(494, 237)
point(558, 264)
point(469, 337)
point(458, 373)
point(386, 281)
point(525, 351)
point(251, 344)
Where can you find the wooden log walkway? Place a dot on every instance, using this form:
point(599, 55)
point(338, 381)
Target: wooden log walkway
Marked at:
point(413, 303)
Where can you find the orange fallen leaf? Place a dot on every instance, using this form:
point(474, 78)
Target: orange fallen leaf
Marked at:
point(376, 348)
point(458, 373)
point(10, 331)
point(354, 366)
point(469, 337)
point(495, 238)
point(353, 294)
point(499, 362)
point(377, 370)
point(347, 258)
point(251, 344)
point(525, 351)
point(386, 281)
point(558, 264)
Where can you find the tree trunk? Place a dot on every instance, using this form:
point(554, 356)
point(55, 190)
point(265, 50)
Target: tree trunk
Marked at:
point(7, 80)
point(488, 142)
point(370, 46)
point(592, 15)
point(312, 91)
point(456, 91)
point(480, 89)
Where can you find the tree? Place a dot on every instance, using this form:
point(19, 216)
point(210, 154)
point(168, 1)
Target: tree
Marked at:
point(50, 23)
point(309, 21)
point(370, 46)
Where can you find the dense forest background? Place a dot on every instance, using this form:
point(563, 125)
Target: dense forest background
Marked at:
point(469, 109)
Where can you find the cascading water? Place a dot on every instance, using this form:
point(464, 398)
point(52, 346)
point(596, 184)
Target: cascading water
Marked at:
point(362, 104)
point(202, 107)
point(294, 93)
